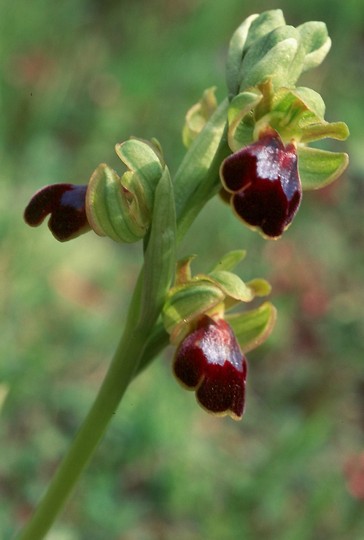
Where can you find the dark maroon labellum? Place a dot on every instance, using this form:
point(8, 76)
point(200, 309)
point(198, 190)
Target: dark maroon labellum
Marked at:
point(209, 361)
point(66, 205)
point(264, 182)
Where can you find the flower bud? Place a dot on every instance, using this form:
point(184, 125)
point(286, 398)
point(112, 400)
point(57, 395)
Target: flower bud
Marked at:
point(210, 362)
point(277, 56)
point(265, 48)
point(251, 29)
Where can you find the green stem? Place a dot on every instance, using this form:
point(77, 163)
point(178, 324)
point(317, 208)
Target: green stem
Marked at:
point(157, 341)
point(118, 377)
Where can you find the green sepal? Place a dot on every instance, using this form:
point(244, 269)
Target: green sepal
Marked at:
point(299, 114)
point(253, 327)
point(311, 100)
point(160, 254)
point(296, 114)
point(316, 42)
point(241, 118)
point(210, 290)
point(186, 303)
point(318, 168)
point(277, 56)
point(145, 164)
point(198, 115)
point(111, 210)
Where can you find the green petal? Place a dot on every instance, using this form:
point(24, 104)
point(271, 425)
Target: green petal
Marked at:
point(322, 130)
point(261, 287)
point(242, 104)
point(253, 327)
point(241, 122)
point(243, 134)
point(230, 260)
point(232, 285)
point(318, 168)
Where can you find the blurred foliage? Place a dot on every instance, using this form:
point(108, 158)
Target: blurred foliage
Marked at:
point(77, 77)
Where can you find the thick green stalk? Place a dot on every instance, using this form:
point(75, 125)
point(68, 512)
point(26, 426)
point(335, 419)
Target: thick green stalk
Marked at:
point(120, 373)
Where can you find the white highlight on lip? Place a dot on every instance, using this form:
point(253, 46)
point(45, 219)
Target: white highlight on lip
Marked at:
point(219, 349)
point(269, 166)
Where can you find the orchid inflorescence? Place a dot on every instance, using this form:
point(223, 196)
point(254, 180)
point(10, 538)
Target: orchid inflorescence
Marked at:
point(267, 121)
point(251, 150)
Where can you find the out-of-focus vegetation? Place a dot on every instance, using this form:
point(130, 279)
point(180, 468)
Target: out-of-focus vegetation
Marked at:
point(78, 76)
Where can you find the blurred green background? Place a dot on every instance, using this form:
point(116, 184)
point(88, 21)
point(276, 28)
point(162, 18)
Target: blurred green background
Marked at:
point(78, 76)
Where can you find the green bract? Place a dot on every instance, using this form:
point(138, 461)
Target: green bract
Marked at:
point(197, 178)
point(198, 115)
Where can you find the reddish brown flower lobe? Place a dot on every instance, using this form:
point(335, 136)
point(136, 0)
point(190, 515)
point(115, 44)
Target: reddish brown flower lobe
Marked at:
point(209, 361)
point(66, 205)
point(264, 183)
